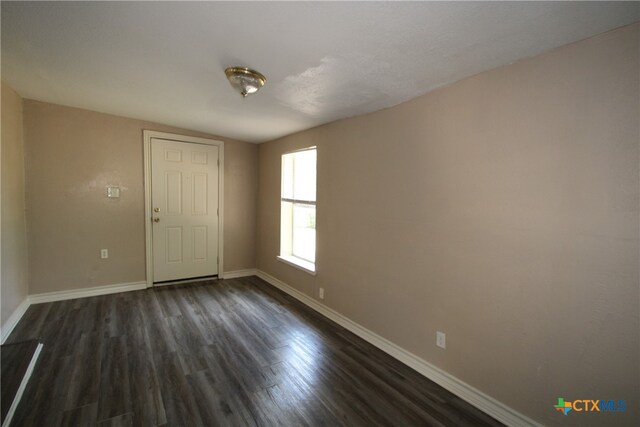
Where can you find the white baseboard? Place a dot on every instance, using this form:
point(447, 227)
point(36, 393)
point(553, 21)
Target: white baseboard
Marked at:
point(13, 320)
point(239, 273)
point(87, 292)
point(472, 395)
point(22, 387)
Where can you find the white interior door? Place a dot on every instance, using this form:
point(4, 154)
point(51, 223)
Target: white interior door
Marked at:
point(184, 200)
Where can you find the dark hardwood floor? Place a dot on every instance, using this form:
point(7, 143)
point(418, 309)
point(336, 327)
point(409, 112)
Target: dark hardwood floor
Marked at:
point(14, 363)
point(231, 352)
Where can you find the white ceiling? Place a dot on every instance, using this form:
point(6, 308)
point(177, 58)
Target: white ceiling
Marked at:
point(165, 61)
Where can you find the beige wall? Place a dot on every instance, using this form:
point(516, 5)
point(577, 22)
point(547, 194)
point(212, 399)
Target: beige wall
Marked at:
point(502, 210)
point(14, 287)
point(71, 156)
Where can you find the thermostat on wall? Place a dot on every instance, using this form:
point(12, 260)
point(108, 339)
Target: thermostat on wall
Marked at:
point(113, 192)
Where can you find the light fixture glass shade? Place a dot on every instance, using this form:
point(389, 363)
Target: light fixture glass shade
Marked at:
point(245, 80)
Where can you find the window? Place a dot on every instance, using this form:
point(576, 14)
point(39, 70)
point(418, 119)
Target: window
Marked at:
point(298, 209)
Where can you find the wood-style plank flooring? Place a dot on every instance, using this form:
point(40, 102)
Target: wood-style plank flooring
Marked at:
point(230, 352)
point(14, 362)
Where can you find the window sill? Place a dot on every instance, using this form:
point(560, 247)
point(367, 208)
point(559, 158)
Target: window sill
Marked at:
point(303, 265)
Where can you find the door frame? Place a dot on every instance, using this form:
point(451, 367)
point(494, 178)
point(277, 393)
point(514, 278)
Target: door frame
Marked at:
point(147, 136)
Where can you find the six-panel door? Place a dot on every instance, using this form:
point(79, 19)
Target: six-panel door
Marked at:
point(184, 199)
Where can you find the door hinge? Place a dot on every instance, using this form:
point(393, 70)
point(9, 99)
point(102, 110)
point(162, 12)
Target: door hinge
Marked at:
point(218, 162)
point(218, 211)
point(218, 260)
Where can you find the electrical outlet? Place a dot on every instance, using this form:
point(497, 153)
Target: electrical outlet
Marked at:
point(441, 339)
point(321, 293)
point(104, 253)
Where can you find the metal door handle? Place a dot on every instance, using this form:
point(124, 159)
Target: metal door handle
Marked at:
point(156, 219)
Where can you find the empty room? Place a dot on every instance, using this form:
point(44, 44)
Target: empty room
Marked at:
point(320, 213)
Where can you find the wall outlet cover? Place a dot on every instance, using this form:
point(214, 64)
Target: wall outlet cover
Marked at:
point(441, 339)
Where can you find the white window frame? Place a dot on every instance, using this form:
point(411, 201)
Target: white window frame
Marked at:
point(290, 259)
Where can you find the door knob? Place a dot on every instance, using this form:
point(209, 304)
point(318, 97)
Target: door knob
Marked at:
point(156, 209)
point(156, 219)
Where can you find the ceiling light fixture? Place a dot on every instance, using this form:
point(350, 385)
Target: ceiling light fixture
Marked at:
point(245, 80)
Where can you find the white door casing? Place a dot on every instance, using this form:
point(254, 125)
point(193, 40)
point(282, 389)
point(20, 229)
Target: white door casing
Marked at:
point(183, 202)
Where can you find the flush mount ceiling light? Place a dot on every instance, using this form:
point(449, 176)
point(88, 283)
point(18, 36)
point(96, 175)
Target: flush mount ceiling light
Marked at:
point(245, 80)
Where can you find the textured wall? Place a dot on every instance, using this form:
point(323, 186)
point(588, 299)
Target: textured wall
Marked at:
point(14, 238)
point(71, 156)
point(502, 210)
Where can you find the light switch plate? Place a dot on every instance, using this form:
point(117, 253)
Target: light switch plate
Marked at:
point(113, 192)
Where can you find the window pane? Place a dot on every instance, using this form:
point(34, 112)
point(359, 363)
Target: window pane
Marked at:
point(286, 227)
point(304, 232)
point(287, 175)
point(304, 172)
